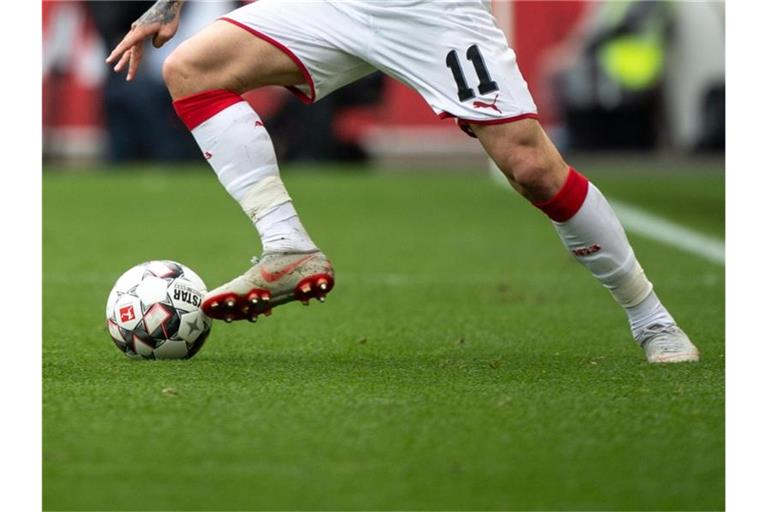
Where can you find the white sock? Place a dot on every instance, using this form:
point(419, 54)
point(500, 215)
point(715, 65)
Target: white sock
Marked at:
point(590, 230)
point(281, 231)
point(238, 148)
point(648, 312)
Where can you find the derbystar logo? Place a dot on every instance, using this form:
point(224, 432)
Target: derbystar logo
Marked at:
point(186, 295)
point(586, 251)
point(126, 313)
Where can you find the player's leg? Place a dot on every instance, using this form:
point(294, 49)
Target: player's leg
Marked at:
point(589, 229)
point(205, 76)
point(224, 56)
point(465, 70)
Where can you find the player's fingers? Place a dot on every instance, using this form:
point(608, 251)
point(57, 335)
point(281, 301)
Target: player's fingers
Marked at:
point(112, 55)
point(123, 60)
point(132, 38)
point(136, 53)
point(122, 47)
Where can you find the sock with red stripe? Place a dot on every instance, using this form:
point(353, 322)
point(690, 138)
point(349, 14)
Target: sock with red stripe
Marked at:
point(591, 231)
point(238, 148)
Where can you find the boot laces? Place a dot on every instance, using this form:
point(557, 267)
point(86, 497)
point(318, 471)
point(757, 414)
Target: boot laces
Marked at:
point(656, 333)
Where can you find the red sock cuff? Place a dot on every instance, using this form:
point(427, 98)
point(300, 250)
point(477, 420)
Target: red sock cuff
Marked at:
point(568, 199)
point(198, 108)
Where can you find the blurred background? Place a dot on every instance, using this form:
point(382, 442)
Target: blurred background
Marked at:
point(608, 77)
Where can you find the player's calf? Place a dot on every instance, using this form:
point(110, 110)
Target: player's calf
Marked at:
point(590, 231)
point(204, 76)
point(237, 146)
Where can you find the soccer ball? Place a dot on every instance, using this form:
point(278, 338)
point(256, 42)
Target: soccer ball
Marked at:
point(153, 311)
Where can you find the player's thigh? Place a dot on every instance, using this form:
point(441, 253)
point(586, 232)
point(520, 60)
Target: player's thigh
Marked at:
point(456, 57)
point(325, 39)
point(224, 56)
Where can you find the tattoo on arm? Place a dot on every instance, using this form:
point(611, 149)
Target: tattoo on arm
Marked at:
point(163, 11)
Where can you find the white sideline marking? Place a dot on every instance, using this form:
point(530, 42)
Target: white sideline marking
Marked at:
point(658, 228)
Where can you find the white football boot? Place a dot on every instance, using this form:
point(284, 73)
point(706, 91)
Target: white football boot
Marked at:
point(274, 279)
point(667, 344)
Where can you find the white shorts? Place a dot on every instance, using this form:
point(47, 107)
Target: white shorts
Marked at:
point(450, 51)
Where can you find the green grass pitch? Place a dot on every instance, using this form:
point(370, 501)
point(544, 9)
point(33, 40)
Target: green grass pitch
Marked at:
point(464, 361)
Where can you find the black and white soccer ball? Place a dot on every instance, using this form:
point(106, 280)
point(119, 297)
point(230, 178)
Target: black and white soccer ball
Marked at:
point(153, 311)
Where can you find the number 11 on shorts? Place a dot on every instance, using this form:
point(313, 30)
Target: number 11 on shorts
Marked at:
point(473, 55)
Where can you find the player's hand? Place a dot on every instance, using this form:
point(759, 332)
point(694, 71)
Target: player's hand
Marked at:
point(160, 22)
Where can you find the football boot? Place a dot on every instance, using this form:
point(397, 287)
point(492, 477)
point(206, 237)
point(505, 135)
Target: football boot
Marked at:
point(274, 279)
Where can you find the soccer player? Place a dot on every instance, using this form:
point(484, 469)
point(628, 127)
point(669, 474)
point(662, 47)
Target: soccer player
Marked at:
point(454, 55)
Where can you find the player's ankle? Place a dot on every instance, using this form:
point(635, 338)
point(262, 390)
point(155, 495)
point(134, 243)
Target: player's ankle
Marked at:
point(281, 231)
point(650, 311)
point(287, 246)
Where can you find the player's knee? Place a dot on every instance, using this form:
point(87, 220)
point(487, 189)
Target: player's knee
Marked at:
point(526, 155)
point(187, 72)
point(536, 175)
point(176, 71)
point(183, 74)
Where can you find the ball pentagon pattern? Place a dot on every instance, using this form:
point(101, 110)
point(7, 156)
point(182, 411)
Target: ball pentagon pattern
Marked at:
point(153, 311)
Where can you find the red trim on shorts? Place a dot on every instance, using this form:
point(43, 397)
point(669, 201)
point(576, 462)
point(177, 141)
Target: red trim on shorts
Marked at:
point(464, 124)
point(280, 46)
point(568, 199)
point(447, 115)
point(198, 108)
